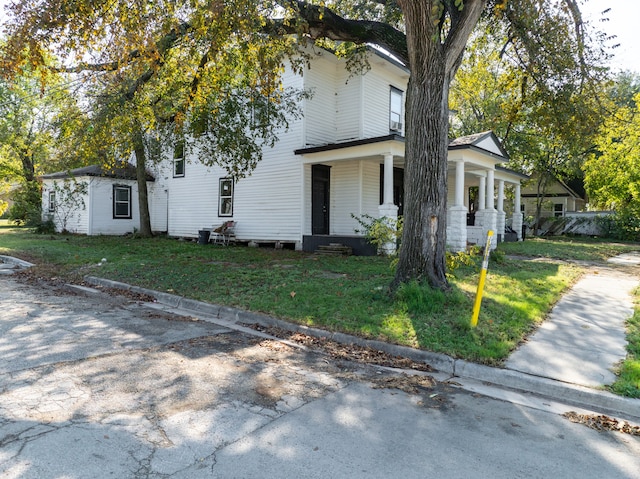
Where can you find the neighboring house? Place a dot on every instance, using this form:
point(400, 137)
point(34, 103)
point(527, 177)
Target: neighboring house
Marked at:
point(558, 199)
point(94, 200)
point(343, 158)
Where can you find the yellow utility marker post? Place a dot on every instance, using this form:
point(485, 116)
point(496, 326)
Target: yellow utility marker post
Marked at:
point(483, 276)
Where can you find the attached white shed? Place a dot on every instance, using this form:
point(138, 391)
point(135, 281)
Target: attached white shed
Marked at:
point(93, 200)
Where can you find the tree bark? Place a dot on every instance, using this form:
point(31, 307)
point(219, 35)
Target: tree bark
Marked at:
point(422, 254)
point(141, 176)
point(434, 56)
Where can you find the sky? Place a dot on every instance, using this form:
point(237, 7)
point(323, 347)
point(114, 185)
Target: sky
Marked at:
point(623, 23)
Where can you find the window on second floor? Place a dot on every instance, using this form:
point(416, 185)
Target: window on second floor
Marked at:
point(178, 159)
point(121, 202)
point(395, 109)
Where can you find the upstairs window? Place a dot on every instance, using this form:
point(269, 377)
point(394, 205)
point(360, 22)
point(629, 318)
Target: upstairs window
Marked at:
point(52, 202)
point(395, 110)
point(121, 202)
point(225, 197)
point(178, 159)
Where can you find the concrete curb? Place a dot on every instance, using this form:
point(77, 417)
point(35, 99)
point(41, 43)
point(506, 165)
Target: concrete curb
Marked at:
point(575, 395)
point(15, 261)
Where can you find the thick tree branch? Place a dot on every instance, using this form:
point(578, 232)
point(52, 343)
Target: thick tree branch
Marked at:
point(462, 24)
point(322, 22)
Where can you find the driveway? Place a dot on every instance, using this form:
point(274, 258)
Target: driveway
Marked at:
point(101, 386)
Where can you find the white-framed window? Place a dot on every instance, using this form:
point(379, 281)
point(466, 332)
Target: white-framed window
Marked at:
point(558, 210)
point(178, 159)
point(395, 109)
point(121, 202)
point(225, 197)
point(52, 201)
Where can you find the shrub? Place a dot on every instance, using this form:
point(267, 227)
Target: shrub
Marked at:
point(380, 232)
point(27, 206)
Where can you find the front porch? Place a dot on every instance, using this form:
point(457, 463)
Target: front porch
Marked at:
point(360, 179)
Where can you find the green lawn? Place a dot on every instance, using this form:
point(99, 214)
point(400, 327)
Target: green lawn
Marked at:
point(346, 294)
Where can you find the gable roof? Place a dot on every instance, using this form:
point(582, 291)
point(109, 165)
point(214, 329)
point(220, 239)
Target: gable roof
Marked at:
point(486, 141)
point(122, 171)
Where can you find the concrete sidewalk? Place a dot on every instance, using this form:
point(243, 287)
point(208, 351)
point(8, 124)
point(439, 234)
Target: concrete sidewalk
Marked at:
point(584, 337)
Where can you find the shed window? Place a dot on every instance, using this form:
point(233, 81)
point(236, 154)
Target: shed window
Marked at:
point(225, 197)
point(178, 159)
point(52, 201)
point(122, 202)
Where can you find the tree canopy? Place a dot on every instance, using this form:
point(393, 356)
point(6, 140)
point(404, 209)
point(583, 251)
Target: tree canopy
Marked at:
point(202, 63)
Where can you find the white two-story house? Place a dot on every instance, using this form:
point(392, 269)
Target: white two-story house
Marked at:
point(343, 158)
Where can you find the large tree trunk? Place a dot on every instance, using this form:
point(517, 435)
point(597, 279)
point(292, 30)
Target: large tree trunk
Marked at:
point(422, 254)
point(434, 56)
point(141, 176)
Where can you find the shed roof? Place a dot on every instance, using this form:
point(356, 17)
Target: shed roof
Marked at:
point(123, 171)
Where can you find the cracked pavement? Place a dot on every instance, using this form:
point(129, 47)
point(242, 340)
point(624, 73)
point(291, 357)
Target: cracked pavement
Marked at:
point(103, 386)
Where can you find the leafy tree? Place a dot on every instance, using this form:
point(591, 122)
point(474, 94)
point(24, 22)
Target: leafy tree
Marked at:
point(612, 173)
point(544, 102)
point(191, 52)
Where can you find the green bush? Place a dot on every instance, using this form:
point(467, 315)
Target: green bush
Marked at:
point(27, 206)
point(380, 231)
point(623, 225)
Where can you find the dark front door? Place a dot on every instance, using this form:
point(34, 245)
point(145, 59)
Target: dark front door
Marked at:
point(398, 188)
point(320, 175)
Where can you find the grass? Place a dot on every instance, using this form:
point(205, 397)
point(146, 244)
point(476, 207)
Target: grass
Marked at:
point(342, 294)
point(568, 248)
point(628, 382)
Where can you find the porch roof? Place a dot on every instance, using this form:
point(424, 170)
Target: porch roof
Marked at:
point(392, 144)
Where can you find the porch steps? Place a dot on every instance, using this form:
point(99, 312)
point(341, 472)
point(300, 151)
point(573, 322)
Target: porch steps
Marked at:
point(334, 249)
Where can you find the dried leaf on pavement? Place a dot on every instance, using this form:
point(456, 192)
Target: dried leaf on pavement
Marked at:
point(602, 423)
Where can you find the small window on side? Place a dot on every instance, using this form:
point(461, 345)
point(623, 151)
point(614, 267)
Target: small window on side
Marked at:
point(178, 159)
point(52, 201)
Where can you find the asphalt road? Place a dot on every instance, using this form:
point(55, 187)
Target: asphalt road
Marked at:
point(101, 386)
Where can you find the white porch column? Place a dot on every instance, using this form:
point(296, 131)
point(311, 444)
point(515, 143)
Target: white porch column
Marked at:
point(482, 189)
point(502, 216)
point(388, 180)
point(490, 190)
point(387, 209)
point(489, 219)
point(457, 214)
point(516, 222)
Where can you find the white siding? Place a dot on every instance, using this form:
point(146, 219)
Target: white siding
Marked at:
point(348, 105)
point(377, 87)
point(320, 110)
point(370, 188)
point(73, 216)
point(267, 205)
point(345, 197)
point(101, 208)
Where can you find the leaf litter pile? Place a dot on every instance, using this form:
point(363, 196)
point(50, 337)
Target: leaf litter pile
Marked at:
point(602, 423)
point(348, 352)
